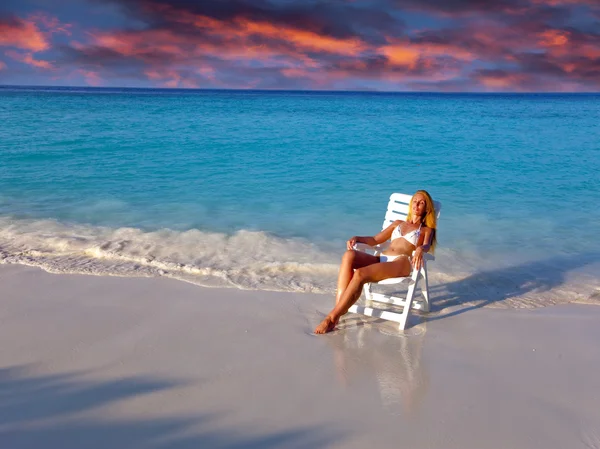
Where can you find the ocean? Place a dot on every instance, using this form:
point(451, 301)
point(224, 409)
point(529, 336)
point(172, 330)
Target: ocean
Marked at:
point(261, 189)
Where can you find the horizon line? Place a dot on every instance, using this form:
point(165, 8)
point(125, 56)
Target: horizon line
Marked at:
point(233, 89)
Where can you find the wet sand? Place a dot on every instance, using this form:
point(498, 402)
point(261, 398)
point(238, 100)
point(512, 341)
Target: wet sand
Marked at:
point(96, 362)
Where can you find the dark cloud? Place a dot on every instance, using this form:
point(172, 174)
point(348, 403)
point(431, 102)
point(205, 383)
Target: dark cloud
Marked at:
point(538, 18)
point(538, 64)
point(327, 43)
point(571, 67)
point(578, 37)
point(330, 18)
point(9, 19)
point(464, 38)
point(462, 6)
point(102, 57)
point(540, 77)
point(588, 70)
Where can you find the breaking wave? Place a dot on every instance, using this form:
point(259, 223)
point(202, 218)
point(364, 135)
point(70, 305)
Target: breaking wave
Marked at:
point(260, 261)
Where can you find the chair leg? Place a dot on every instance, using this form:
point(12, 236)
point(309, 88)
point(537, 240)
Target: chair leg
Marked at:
point(425, 291)
point(409, 299)
point(367, 291)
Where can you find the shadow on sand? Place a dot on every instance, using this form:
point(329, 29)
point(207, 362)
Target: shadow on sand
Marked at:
point(489, 287)
point(42, 412)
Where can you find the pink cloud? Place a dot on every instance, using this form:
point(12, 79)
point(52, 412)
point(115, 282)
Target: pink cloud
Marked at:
point(171, 78)
point(244, 28)
point(27, 58)
point(501, 81)
point(50, 23)
point(192, 50)
point(23, 34)
point(232, 41)
point(403, 53)
point(91, 77)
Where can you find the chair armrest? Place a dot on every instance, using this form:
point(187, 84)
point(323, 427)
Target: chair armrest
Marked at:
point(383, 246)
point(363, 247)
point(426, 256)
point(374, 250)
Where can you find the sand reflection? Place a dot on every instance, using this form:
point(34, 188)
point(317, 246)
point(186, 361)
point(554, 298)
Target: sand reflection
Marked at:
point(377, 353)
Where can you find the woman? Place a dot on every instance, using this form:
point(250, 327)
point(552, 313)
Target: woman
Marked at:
point(416, 234)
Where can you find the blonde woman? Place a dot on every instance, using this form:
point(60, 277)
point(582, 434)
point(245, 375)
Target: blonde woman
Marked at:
point(416, 234)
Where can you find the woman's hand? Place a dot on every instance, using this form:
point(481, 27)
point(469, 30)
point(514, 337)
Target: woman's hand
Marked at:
point(417, 258)
point(350, 243)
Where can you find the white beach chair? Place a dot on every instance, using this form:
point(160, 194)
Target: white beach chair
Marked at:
point(397, 210)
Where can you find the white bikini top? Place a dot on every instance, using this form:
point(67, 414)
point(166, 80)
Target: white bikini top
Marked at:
point(411, 237)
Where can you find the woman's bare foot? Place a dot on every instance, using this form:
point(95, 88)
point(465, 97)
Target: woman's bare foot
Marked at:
point(327, 325)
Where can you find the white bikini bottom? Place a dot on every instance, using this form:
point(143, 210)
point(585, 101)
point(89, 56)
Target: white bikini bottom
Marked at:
point(390, 258)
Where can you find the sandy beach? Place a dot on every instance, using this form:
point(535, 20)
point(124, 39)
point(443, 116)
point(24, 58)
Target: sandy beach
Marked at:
point(98, 362)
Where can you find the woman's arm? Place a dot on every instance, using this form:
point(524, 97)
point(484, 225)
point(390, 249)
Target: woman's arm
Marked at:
point(423, 246)
point(383, 236)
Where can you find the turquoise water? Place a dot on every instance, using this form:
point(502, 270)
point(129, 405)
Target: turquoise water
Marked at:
point(261, 189)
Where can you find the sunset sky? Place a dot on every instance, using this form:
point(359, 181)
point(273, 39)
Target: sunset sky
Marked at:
point(386, 45)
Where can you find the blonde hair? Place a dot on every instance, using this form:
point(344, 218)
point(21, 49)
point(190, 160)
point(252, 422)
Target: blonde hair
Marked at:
point(429, 219)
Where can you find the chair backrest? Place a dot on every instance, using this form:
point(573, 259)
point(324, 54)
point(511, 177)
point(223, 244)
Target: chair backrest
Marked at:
point(398, 208)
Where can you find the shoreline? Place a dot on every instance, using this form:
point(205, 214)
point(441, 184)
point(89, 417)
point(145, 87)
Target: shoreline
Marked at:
point(94, 361)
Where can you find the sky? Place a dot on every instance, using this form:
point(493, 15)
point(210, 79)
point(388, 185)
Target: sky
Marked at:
point(380, 45)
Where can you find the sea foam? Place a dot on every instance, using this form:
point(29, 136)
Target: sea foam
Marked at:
point(260, 261)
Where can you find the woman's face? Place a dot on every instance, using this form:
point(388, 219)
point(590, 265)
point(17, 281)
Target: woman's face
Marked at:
point(419, 206)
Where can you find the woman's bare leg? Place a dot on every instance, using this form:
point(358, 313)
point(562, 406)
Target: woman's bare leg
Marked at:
point(372, 273)
point(351, 260)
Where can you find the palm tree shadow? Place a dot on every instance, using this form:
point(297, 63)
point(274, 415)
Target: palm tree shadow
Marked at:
point(488, 287)
point(50, 411)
